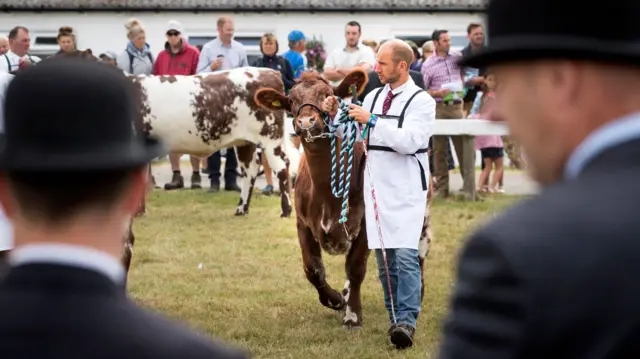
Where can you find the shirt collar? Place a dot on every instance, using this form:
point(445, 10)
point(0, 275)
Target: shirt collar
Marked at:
point(400, 88)
point(70, 255)
point(610, 135)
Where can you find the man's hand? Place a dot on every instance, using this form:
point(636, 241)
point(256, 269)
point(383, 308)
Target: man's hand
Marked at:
point(443, 92)
point(478, 80)
point(217, 63)
point(330, 106)
point(359, 114)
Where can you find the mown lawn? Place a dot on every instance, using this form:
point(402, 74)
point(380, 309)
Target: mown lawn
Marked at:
point(241, 279)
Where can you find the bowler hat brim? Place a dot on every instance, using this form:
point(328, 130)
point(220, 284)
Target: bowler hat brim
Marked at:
point(118, 157)
point(529, 48)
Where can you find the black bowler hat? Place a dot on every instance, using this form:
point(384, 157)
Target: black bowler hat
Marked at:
point(70, 114)
point(572, 29)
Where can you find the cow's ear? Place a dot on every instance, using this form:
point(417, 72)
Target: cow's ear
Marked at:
point(356, 77)
point(272, 100)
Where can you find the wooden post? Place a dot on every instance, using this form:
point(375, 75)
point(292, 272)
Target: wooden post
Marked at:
point(469, 170)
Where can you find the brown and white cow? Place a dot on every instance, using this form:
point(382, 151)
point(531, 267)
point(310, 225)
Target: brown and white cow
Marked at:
point(317, 210)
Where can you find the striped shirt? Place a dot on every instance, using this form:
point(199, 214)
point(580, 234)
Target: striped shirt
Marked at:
point(235, 55)
point(437, 71)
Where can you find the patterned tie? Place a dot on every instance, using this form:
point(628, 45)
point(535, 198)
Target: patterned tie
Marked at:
point(387, 102)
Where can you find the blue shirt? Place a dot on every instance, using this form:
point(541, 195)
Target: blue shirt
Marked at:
point(235, 55)
point(610, 135)
point(296, 61)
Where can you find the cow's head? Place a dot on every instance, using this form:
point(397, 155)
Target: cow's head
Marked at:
point(305, 100)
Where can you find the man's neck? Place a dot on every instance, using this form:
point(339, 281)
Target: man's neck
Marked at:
point(475, 48)
point(176, 48)
point(19, 54)
point(442, 53)
point(400, 81)
point(351, 48)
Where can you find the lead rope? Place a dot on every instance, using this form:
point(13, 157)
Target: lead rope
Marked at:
point(349, 136)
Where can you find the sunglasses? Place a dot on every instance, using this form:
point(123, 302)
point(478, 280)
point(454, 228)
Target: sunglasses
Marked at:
point(173, 33)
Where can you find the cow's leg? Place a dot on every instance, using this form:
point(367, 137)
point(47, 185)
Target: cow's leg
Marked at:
point(280, 165)
point(248, 161)
point(356, 267)
point(127, 253)
point(315, 271)
point(425, 240)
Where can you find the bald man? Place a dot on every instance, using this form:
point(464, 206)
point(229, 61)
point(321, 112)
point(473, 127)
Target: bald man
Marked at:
point(400, 116)
point(4, 45)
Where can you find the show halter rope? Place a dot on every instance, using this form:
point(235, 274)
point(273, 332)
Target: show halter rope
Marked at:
point(341, 189)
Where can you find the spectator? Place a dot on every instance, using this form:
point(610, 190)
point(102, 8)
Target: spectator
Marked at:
point(4, 45)
point(64, 296)
point(297, 43)
point(6, 230)
point(223, 53)
point(443, 80)
point(178, 58)
point(415, 66)
point(136, 59)
point(109, 57)
point(474, 76)
point(66, 40)
point(372, 44)
point(342, 61)
point(491, 146)
point(427, 51)
point(18, 54)
point(269, 49)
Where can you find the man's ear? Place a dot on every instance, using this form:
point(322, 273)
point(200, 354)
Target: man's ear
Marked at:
point(272, 100)
point(356, 77)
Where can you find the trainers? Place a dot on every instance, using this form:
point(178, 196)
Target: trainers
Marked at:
point(401, 335)
point(176, 182)
point(215, 187)
point(267, 190)
point(196, 180)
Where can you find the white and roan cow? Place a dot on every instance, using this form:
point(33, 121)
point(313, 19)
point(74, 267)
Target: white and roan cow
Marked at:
point(201, 114)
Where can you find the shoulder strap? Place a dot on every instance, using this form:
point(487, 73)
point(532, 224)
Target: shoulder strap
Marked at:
point(130, 62)
point(150, 57)
point(375, 98)
point(401, 119)
point(8, 62)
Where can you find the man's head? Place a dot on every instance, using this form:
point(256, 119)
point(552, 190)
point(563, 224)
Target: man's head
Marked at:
point(475, 34)
point(4, 45)
point(174, 33)
point(394, 60)
point(19, 40)
point(442, 41)
point(225, 29)
point(352, 33)
point(297, 41)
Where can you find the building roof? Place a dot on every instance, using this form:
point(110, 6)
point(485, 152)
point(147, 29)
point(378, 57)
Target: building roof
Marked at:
point(244, 5)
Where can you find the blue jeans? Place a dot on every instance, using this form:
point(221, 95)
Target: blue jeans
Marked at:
point(404, 272)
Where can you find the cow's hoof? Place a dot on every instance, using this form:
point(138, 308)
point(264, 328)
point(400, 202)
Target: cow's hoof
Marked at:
point(241, 213)
point(349, 325)
point(285, 215)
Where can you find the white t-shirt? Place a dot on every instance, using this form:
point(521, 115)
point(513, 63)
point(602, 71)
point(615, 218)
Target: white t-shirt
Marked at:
point(10, 61)
point(339, 58)
point(6, 230)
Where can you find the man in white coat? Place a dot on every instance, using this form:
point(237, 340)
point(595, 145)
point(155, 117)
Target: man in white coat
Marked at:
point(401, 117)
point(6, 230)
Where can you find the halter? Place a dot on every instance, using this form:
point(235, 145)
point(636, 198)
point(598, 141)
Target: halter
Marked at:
point(325, 118)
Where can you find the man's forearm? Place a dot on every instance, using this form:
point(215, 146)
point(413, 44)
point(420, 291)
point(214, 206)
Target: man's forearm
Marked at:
point(333, 75)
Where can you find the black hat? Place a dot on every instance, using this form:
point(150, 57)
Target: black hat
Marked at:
point(572, 29)
point(71, 114)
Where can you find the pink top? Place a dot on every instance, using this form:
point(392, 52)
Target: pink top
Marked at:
point(487, 141)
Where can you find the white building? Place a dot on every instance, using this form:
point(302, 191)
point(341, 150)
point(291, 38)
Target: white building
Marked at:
point(100, 24)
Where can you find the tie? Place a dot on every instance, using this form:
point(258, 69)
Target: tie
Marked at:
point(387, 102)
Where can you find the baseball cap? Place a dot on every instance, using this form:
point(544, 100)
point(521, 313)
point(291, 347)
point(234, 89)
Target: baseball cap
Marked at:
point(110, 54)
point(174, 25)
point(296, 35)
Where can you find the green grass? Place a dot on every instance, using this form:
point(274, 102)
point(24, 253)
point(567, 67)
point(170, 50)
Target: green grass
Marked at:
point(251, 290)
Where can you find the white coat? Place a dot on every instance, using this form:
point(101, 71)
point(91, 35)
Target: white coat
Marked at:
point(6, 229)
point(401, 200)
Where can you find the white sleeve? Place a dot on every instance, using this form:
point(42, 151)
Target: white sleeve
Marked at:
point(369, 57)
point(416, 129)
point(330, 63)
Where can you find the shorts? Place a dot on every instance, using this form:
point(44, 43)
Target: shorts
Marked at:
point(491, 152)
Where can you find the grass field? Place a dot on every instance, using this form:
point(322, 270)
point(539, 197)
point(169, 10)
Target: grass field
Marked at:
point(241, 279)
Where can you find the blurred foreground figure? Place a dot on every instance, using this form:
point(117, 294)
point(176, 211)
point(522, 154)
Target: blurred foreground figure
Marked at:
point(557, 275)
point(71, 177)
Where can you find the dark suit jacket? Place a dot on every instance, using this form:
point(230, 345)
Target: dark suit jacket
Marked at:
point(50, 311)
point(557, 275)
point(374, 82)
